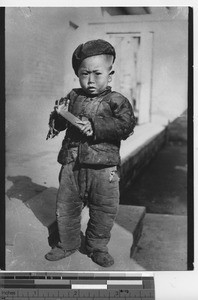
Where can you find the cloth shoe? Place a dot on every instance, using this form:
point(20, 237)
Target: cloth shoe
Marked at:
point(58, 253)
point(103, 259)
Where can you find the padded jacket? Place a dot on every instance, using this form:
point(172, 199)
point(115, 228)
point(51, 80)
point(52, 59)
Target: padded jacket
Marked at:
point(112, 119)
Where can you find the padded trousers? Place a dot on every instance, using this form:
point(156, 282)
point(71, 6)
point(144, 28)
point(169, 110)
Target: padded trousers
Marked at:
point(100, 188)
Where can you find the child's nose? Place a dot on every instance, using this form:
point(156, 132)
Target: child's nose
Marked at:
point(91, 78)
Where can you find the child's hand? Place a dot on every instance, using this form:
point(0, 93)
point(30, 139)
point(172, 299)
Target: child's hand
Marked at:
point(86, 127)
point(61, 108)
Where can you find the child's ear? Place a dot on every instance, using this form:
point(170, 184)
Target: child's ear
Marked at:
point(110, 76)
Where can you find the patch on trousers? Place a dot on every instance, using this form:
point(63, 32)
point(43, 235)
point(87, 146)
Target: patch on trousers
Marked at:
point(112, 174)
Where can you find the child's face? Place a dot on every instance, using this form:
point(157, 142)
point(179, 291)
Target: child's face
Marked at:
point(94, 74)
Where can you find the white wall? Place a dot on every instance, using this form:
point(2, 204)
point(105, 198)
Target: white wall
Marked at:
point(170, 59)
point(170, 73)
point(39, 46)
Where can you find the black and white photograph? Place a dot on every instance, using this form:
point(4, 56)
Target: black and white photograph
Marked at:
point(97, 139)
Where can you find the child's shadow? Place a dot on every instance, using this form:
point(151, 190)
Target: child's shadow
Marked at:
point(42, 205)
point(23, 188)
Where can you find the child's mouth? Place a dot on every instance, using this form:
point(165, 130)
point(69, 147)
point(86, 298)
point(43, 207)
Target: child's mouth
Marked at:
point(91, 89)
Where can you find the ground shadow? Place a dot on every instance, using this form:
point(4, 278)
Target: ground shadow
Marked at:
point(42, 206)
point(23, 188)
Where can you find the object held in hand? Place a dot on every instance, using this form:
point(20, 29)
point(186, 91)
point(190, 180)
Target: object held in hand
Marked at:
point(62, 101)
point(52, 131)
point(53, 115)
point(71, 118)
point(76, 121)
point(61, 107)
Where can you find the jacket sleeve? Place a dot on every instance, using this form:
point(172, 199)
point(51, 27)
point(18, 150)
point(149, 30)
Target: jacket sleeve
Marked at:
point(60, 123)
point(118, 126)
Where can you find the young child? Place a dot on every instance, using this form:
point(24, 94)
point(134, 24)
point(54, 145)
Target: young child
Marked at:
point(90, 154)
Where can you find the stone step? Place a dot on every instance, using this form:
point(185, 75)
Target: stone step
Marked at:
point(27, 236)
point(164, 244)
point(131, 218)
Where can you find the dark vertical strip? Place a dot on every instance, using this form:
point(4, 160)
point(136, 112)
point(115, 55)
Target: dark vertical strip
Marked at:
point(2, 138)
point(190, 253)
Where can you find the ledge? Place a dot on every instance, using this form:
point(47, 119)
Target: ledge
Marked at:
point(143, 134)
point(138, 150)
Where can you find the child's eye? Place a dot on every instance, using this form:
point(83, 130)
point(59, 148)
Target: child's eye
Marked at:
point(84, 74)
point(98, 73)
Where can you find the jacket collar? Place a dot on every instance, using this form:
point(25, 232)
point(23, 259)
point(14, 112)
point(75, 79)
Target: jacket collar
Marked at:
point(103, 93)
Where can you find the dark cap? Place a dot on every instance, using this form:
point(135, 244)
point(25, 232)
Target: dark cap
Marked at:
point(91, 48)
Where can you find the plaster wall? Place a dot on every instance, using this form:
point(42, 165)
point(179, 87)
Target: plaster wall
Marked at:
point(39, 45)
point(169, 63)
